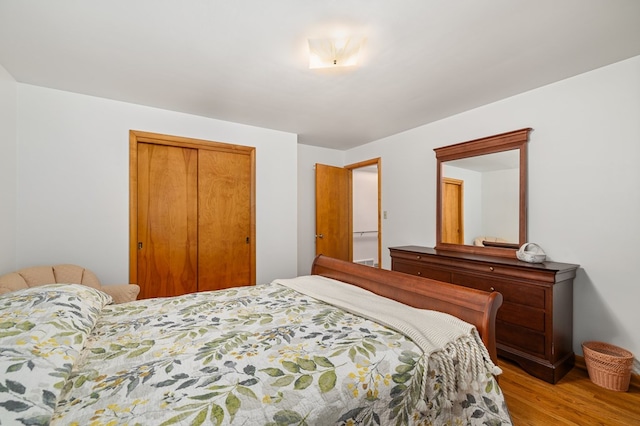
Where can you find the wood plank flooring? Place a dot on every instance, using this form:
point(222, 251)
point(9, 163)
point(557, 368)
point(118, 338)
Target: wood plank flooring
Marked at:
point(574, 400)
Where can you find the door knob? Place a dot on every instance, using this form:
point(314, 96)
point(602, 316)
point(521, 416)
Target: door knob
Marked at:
point(319, 236)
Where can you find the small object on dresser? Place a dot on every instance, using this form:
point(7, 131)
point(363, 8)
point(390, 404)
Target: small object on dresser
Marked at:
point(531, 252)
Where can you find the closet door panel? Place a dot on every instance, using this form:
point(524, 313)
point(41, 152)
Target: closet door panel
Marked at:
point(167, 220)
point(224, 220)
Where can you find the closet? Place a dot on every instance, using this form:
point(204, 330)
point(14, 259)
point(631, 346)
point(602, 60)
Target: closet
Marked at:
point(192, 215)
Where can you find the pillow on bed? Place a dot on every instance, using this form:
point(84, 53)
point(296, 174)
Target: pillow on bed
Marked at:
point(42, 331)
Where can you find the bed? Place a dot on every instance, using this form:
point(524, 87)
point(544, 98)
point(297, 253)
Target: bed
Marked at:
point(346, 345)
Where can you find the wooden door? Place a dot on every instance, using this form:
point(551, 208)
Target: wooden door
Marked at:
point(167, 220)
point(333, 212)
point(452, 211)
point(224, 223)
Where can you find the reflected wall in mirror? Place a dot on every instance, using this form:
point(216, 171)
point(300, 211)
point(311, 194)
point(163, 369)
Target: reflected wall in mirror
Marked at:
point(481, 194)
point(486, 189)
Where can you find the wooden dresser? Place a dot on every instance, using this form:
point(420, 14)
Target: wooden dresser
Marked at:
point(534, 326)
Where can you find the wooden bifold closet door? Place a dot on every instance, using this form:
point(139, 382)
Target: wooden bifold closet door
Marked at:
point(192, 215)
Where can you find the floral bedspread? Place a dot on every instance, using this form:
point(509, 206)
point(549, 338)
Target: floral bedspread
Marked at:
point(260, 355)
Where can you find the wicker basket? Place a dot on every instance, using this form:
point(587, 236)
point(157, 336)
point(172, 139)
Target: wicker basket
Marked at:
point(609, 366)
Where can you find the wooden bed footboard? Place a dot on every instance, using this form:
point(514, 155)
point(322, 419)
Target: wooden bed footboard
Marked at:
point(473, 306)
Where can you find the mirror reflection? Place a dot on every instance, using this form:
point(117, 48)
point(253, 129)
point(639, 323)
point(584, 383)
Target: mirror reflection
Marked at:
point(481, 194)
point(481, 199)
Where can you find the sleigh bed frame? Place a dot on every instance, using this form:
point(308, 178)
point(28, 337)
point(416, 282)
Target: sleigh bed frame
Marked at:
point(473, 306)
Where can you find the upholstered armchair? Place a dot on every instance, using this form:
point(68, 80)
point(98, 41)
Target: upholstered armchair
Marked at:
point(68, 274)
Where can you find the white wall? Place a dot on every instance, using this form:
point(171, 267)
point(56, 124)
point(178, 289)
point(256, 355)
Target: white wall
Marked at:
point(308, 156)
point(583, 195)
point(8, 177)
point(73, 181)
point(501, 204)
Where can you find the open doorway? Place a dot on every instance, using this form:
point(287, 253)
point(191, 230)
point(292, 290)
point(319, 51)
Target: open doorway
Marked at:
point(338, 230)
point(365, 216)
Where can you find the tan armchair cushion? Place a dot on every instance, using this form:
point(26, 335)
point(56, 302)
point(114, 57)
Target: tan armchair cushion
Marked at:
point(122, 293)
point(71, 274)
point(12, 282)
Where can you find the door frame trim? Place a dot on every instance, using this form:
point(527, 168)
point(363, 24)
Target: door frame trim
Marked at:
point(136, 137)
point(372, 162)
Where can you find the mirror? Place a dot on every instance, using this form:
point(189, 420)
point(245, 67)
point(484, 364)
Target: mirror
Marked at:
point(481, 194)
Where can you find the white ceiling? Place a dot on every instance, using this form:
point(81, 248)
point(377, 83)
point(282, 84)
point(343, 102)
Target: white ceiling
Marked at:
point(246, 60)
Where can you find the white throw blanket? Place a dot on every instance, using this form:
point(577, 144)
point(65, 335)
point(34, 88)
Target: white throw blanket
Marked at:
point(442, 337)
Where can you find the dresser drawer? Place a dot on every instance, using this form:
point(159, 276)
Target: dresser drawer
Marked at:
point(520, 338)
point(416, 268)
point(523, 316)
point(512, 291)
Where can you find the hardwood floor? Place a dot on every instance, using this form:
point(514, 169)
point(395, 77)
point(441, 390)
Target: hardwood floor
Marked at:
point(574, 400)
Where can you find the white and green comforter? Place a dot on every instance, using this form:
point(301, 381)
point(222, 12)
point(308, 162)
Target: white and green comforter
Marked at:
point(261, 355)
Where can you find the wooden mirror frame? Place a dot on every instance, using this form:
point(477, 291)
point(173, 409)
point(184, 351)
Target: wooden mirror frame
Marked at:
point(516, 139)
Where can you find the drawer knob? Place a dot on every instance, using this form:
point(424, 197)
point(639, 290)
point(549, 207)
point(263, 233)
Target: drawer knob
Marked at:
point(418, 257)
point(493, 289)
point(419, 273)
point(491, 268)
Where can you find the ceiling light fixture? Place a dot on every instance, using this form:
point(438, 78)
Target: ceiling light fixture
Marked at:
point(334, 52)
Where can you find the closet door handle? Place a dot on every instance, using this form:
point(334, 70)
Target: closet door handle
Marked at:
point(319, 236)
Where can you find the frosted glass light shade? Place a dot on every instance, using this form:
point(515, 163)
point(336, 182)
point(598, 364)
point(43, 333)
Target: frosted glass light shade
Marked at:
point(332, 52)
